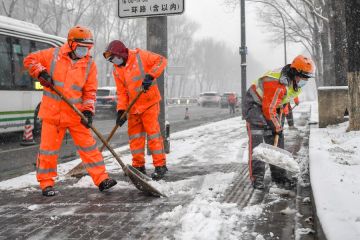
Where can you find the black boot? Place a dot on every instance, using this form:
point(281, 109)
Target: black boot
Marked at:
point(48, 191)
point(286, 183)
point(159, 173)
point(141, 169)
point(258, 183)
point(106, 184)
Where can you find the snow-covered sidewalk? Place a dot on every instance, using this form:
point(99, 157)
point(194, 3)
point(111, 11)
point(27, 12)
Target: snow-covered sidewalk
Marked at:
point(206, 163)
point(335, 179)
point(202, 149)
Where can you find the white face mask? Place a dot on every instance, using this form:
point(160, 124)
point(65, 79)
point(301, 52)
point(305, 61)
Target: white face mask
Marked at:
point(302, 83)
point(81, 51)
point(117, 61)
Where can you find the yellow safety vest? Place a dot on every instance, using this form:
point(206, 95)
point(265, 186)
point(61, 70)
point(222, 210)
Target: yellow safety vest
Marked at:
point(273, 75)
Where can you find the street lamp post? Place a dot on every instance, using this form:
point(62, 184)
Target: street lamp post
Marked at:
point(282, 18)
point(243, 52)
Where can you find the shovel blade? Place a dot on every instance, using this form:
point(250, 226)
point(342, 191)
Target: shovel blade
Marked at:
point(142, 182)
point(276, 156)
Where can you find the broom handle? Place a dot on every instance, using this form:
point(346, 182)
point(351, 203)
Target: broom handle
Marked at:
point(122, 116)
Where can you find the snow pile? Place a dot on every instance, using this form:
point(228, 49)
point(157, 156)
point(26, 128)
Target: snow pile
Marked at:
point(253, 211)
point(206, 217)
point(288, 211)
point(303, 231)
point(24, 181)
point(276, 156)
point(33, 207)
point(335, 179)
point(281, 191)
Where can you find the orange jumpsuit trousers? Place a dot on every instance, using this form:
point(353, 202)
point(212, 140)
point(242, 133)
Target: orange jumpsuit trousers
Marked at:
point(51, 139)
point(140, 125)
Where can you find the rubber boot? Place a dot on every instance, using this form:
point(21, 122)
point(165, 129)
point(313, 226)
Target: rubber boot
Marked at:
point(141, 169)
point(48, 191)
point(159, 173)
point(106, 184)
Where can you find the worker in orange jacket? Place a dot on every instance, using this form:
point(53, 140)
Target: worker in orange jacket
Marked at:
point(232, 103)
point(71, 70)
point(134, 71)
point(263, 106)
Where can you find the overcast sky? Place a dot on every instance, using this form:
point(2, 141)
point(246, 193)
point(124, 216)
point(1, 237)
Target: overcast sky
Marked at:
point(218, 21)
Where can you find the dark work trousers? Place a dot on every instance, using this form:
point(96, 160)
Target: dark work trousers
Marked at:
point(290, 117)
point(232, 108)
point(258, 134)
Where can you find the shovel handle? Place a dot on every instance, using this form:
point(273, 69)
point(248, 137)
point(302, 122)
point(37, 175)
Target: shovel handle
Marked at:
point(276, 140)
point(122, 116)
point(98, 134)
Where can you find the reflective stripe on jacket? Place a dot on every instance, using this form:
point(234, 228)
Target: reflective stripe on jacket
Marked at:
point(269, 92)
point(77, 80)
point(129, 79)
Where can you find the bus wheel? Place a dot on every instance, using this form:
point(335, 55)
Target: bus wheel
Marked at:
point(37, 123)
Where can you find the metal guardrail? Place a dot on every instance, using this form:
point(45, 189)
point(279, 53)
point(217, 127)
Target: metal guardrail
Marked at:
point(181, 101)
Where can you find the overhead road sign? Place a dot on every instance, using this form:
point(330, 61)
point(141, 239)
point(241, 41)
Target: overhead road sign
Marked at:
point(149, 8)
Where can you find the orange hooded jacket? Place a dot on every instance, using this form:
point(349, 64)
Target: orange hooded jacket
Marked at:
point(76, 80)
point(129, 80)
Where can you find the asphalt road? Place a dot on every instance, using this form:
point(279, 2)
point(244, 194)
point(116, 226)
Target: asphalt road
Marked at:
point(16, 160)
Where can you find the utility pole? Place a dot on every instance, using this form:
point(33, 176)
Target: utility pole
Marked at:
point(243, 51)
point(157, 42)
point(156, 12)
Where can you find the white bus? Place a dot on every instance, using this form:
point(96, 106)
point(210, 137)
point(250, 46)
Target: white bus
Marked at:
point(20, 95)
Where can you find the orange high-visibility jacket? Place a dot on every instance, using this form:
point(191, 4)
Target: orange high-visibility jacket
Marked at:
point(269, 92)
point(77, 80)
point(232, 98)
point(129, 79)
point(274, 92)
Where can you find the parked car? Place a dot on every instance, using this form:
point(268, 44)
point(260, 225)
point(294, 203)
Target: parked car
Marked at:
point(224, 99)
point(209, 99)
point(106, 99)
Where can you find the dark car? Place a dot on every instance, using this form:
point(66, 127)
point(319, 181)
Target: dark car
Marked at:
point(224, 99)
point(106, 99)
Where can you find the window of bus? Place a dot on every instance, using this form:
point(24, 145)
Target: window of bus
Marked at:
point(21, 48)
point(5, 63)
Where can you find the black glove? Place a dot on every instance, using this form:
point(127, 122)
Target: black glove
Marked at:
point(45, 79)
point(273, 128)
point(89, 117)
point(147, 82)
point(120, 121)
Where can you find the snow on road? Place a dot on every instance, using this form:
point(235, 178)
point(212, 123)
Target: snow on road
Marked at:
point(205, 217)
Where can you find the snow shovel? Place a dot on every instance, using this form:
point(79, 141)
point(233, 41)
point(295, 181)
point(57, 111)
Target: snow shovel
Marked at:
point(140, 182)
point(276, 156)
point(79, 171)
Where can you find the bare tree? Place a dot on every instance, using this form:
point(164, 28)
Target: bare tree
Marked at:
point(339, 41)
point(307, 23)
point(9, 8)
point(352, 15)
point(180, 42)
